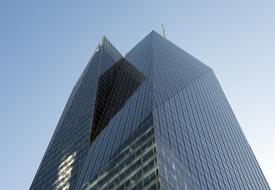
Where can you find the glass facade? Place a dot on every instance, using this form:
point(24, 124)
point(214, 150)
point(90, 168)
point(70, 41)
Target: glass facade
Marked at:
point(155, 119)
point(134, 165)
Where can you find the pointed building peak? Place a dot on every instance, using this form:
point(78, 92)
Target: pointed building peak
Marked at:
point(108, 47)
point(153, 32)
point(104, 41)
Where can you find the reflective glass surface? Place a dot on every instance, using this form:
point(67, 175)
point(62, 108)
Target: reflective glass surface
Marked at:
point(159, 93)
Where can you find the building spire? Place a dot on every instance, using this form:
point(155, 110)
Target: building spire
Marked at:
point(163, 31)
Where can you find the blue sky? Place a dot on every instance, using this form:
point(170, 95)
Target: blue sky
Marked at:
point(44, 46)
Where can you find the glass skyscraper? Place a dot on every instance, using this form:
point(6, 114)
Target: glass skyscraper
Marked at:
point(156, 118)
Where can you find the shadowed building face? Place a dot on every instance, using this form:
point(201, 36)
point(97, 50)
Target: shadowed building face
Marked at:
point(155, 119)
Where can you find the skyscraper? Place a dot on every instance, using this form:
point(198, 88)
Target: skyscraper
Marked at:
point(154, 119)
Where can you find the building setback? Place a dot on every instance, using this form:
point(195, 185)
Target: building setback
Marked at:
point(154, 119)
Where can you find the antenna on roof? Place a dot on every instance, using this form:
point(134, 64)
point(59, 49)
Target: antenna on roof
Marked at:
point(163, 31)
